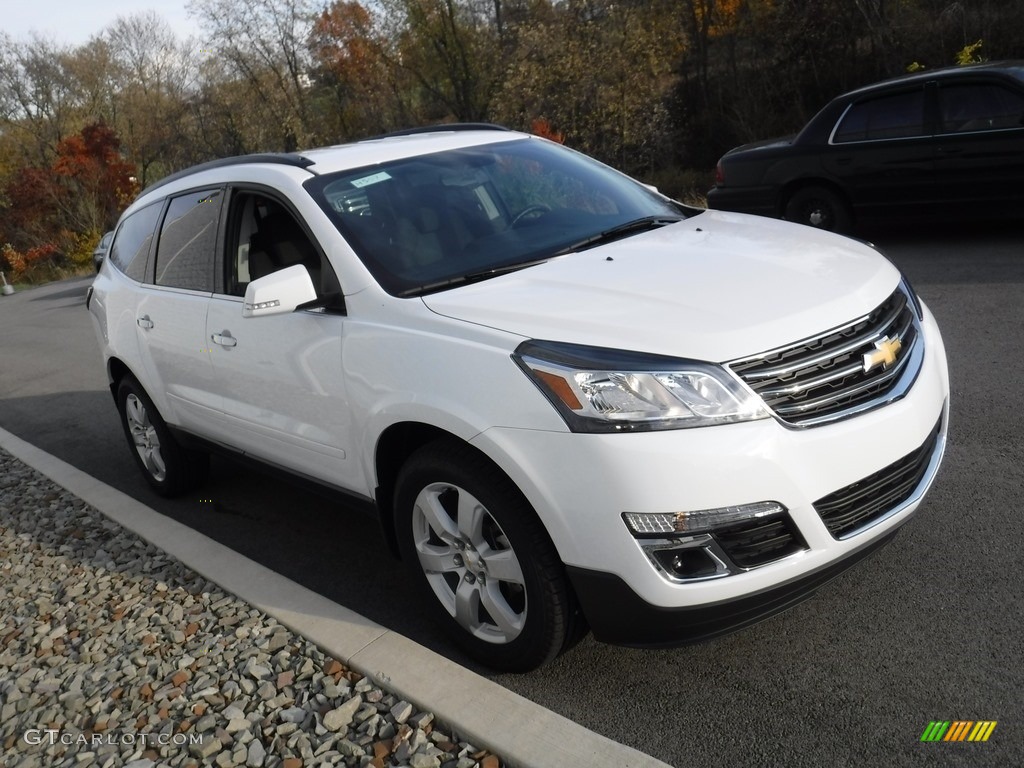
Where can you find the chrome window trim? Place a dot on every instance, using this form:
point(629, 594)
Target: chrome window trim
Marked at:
point(832, 134)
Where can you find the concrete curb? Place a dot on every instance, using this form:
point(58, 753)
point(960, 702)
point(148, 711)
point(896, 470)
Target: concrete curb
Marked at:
point(486, 714)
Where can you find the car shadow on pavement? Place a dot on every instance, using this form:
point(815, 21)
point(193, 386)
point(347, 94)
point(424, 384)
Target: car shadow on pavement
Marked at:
point(78, 290)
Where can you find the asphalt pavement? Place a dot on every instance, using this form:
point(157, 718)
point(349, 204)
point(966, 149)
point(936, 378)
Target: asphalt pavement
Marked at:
point(929, 629)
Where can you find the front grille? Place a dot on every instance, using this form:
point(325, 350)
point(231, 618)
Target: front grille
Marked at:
point(824, 378)
point(860, 504)
point(759, 542)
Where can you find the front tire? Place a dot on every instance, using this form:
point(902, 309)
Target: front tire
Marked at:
point(491, 573)
point(168, 467)
point(821, 208)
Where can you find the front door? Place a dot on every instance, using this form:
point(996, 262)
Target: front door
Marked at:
point(280, 375)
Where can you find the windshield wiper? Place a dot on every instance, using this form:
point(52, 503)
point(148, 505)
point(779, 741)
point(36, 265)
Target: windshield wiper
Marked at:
point(472, 277)
point(623, 230)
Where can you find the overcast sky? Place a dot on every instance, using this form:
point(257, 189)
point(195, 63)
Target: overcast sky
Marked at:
point(75, 21)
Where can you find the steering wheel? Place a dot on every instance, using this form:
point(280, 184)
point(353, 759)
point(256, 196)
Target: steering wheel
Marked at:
point(536, 208)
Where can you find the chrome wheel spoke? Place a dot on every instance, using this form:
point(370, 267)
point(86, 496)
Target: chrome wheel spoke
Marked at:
point(428, 503)
point(436, 559)
point(145, 437)
point(471, 519)
point(508, 621)
point(503, 565)
point(467, 605)
point(469, 563)
point(155, 460)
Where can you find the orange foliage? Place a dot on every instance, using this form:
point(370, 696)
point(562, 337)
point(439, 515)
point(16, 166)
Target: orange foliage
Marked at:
point(541, 127)
point(342, 38)
point(92, 159)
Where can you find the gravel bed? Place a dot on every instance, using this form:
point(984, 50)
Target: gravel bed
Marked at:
point(112, 653)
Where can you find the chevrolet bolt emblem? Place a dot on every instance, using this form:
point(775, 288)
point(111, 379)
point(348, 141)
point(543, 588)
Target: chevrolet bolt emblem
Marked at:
point(885, 354)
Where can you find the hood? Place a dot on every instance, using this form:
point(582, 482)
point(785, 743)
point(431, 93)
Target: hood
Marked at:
point(716, 287)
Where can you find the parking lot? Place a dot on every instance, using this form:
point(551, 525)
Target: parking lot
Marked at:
point(929, 629)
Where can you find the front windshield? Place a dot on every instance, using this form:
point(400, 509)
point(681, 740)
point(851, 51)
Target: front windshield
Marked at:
point(433, 221)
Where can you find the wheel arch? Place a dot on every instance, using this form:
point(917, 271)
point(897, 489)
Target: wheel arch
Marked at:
point(394, 447)
point(117, 369)
point(792, 187)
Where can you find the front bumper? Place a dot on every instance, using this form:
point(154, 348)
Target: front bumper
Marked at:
point(618, 615)
point(580, 485)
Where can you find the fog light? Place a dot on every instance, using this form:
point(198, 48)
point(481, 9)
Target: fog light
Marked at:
point(693, 563)
point(647, 524)
point(691, 559)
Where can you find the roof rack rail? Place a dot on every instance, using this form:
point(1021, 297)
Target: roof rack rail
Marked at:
point(278, 158)
point(442, 128)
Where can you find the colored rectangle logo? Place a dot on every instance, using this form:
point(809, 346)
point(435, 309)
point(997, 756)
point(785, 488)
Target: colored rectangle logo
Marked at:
point(958, 730)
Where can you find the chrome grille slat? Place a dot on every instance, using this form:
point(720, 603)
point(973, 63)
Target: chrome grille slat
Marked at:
point(822, 378)
point(811, 383)
point(869, 337)
point(892, 373)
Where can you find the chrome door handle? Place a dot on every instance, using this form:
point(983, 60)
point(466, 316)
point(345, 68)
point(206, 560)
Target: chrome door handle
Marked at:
point(144, 322)
point(224, 338)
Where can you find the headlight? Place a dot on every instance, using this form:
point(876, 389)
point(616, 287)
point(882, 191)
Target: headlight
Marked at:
point(608, 390)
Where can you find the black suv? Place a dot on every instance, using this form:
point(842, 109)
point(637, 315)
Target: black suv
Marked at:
point(948, 141)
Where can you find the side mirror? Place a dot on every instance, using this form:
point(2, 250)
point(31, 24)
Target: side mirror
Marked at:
point(278, 293)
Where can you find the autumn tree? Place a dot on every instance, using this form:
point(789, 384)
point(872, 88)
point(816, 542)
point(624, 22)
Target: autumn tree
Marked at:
point(262, 45)
point(155, 75)
point(37, 94)
point(599, 73)
point(357, 90)
point(447, 53)
point(62, 209)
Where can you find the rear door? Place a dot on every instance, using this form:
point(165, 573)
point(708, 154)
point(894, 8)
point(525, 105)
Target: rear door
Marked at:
point(980, 149)
point(170, 316)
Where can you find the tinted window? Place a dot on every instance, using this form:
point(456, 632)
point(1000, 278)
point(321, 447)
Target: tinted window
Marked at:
point(888, 117)
point(967, 108)
point(131, 247)
point(422, 223)
point(188, 240)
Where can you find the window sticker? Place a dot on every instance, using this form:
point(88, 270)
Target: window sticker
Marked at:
point(366, 181)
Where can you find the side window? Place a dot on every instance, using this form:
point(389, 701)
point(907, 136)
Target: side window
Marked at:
point(188, 241)
point(131, 246)
point(976, 107)
point(263, 237)
point(900, 116)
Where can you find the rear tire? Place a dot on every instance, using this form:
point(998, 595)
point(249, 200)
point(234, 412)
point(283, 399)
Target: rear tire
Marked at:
point(492, 575)
point(821, 208)
point(167, 466)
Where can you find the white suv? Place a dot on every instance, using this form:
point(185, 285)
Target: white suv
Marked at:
point(572, 401)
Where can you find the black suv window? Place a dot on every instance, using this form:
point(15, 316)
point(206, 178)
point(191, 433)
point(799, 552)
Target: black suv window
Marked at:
point(263, 237)
point(131, 246)
point(976, 107)
point(188, 241)
point(899, 116)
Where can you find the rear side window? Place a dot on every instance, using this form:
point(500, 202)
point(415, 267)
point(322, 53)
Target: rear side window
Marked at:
point(131, 246)
point(188, 240)
point(976, 107)
point(900, 116)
